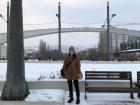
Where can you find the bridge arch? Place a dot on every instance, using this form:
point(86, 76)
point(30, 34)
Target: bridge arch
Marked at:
point(41, 32)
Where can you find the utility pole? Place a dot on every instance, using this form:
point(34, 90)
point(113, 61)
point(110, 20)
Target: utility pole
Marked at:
point(8, 17)
point(59, 26)
point(8, 21)
point(108, 33)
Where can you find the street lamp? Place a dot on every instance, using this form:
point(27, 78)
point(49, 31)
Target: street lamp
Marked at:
point(108, 20)
point(113, 15)
point(108, 34)
point(3, 18)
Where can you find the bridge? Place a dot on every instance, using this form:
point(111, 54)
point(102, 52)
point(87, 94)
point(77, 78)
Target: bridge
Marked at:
point(41, 32)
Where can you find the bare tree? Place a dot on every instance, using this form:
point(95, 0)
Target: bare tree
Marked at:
point(92, 54)
point(42, 49)
point(15, 87)
point(102, 45)
point(83, 54)
point(56, 54)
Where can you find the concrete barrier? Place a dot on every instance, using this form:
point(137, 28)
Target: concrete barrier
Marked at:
point(85, 61)
point(63, 84)
point(29, 103)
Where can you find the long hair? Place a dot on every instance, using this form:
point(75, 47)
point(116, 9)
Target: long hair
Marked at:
point(74, 55)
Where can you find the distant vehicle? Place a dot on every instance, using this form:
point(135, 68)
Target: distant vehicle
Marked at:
point(32, 56)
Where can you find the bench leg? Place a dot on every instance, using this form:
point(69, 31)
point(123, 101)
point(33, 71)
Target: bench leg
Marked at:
point(138, 94)
point(131, 96)
point(85, 95)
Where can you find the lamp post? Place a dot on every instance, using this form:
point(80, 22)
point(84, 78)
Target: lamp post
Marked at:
point(7, 21)
point(59, 26)
point(108, 20)
point(108, 33)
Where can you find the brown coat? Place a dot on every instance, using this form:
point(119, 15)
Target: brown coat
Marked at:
point(72, 71)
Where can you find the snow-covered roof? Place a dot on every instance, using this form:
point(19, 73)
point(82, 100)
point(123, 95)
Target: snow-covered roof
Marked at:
point(131, 50)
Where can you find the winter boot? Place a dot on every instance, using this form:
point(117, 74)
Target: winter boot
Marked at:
point(78, 101)
point(70, 100)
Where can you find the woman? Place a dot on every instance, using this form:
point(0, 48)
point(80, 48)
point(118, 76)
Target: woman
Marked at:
point(72, 73)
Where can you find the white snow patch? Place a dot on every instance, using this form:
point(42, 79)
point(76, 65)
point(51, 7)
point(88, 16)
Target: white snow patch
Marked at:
point(43, 95)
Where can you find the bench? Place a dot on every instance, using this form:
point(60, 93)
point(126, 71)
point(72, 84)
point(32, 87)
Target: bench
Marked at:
point(106, 76)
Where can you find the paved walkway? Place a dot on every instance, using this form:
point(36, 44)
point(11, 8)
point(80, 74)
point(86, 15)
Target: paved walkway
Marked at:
point(104, 99)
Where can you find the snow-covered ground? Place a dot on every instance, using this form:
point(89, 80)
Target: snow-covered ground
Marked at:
point(58, 96)
point(43, 95)
point(45, 71)
point(105, 99)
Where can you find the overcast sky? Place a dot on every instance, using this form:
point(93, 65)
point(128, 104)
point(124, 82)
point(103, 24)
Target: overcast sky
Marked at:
point(40, 14)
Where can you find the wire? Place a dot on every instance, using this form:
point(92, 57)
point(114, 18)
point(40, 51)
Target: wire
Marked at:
point(119, 24)
point(128, 24)
point(3, 23)
point(74, 23)
point(42, 23)
point(80, 23)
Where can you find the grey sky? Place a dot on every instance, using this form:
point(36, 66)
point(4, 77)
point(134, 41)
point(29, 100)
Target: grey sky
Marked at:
point(79, 12)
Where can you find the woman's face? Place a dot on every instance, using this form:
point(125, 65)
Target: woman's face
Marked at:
point(71, 52)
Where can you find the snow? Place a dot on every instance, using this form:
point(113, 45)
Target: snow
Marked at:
point(51, 71)
point(131, 50)
point(105, 99)
point(43, 95)
point(47, 71)
point(58, 96)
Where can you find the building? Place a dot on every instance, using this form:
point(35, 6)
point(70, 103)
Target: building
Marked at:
point(117, 36)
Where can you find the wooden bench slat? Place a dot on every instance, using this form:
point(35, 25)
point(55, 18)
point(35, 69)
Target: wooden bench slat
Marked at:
point(118, 75)
point(112, 89)
point(91, 78)
point(108, 74)
point(108, 71)
point(93, 74)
